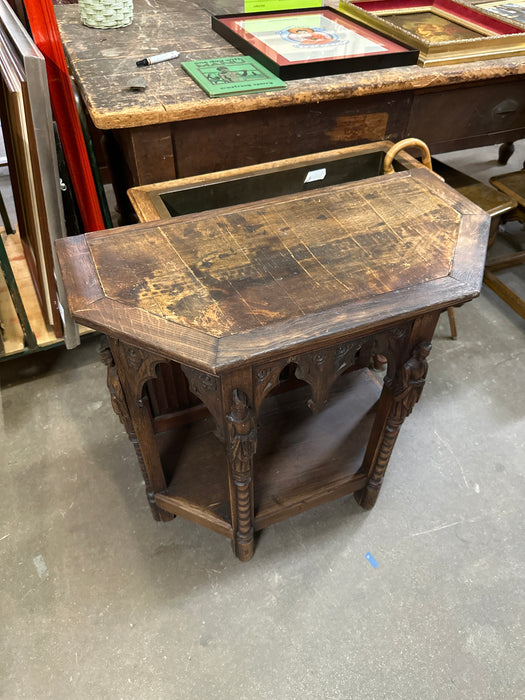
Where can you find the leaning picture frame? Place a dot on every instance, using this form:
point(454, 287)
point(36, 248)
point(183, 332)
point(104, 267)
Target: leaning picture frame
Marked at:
point(312, 42)
point(508, 10)
point(444, 31)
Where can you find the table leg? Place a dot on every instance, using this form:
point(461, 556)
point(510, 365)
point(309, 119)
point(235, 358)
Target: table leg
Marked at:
point(402, 389)
point(128, 370)
point(505, 151)
point(241, 443)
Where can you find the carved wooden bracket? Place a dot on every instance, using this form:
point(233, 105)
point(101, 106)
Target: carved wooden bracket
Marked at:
point(143, 366)
point(321, 368)
point(391, 343)
point(265, 379)
point(207, 388)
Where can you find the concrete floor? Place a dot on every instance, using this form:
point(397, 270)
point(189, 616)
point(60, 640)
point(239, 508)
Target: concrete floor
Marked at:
point(99, 601)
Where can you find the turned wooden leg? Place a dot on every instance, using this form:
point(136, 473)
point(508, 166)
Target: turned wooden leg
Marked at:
point(241, 443)
point(367, 497)
point(452, 323)
point(505, 152)
point(128, 369)
point(400, 393)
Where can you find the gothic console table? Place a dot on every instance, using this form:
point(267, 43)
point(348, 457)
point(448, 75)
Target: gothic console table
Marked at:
point(293, 292)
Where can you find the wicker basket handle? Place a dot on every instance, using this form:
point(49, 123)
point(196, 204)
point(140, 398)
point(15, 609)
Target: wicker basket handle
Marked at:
point(399, 146)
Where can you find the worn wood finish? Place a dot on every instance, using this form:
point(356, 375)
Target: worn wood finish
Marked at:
point(471, 115)
point(301, 288)
point(242, 185)
point(172, 96)
point(281, 132)
point(513, 184)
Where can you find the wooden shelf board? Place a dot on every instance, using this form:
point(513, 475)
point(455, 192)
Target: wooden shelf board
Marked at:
point(301, 461)
point(12, 333)
point(13, 336)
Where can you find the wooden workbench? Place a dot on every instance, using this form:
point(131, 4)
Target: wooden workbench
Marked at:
point(173, 129)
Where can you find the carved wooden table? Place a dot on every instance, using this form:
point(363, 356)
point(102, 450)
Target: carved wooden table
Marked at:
point(172, 129)
point(294, 292)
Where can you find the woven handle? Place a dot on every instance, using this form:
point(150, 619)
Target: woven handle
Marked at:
point(399, 146)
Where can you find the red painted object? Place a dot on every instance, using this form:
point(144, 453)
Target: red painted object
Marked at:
point(44, 28)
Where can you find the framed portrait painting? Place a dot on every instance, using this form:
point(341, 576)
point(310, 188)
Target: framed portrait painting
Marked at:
point(312, 42)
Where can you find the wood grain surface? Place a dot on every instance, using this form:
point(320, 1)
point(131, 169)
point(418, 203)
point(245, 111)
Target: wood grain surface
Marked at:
point(280, 272)
point(233, 272)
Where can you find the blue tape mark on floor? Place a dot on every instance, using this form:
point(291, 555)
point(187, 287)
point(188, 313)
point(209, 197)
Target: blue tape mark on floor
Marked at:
point(371, 559)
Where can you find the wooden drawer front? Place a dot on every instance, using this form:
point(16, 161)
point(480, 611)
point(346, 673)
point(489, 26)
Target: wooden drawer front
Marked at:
point(231, 141)
point(461, 115)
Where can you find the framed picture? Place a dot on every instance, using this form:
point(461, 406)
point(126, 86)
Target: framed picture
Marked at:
point(312, 42)
point(44, 28)
point(444, 31)
point(513, 10)
point(434, 25)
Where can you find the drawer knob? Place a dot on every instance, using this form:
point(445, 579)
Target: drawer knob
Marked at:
point(504, 108)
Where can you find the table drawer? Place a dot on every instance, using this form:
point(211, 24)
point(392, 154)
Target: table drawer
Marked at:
point(469, 114)
point(236, 140)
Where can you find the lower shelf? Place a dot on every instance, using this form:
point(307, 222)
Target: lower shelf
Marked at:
point(301, 461)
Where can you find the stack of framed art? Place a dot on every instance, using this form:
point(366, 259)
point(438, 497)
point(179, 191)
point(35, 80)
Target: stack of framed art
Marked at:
point(27, 127)
point(444, 31)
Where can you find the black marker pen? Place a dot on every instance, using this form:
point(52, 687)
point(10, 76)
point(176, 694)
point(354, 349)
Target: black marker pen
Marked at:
point(158, 58)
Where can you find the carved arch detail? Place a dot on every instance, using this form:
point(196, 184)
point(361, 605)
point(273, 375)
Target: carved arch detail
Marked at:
point(207, 388)
point(322, 367)
point(143, 366)
point(265, 379)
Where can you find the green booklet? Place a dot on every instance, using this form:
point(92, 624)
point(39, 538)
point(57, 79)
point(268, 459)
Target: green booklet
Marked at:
point(231, 75)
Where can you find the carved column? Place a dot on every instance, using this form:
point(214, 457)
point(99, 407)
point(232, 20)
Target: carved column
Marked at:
point(241, 443)
point(128, 370)
point(403, 390)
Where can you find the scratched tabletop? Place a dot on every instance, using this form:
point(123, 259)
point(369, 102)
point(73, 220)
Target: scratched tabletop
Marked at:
point(235, 282)
point(103, 61)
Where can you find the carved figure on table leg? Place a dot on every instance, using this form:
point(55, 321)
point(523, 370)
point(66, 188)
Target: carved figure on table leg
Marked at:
point(241, 446)
point(116, 393)
point(405, 390)
point(120, 406)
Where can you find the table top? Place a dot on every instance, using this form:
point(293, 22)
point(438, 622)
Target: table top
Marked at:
point(103, 61)
point(215, 288)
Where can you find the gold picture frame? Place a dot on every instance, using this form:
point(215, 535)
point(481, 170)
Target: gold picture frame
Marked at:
point(444, 32)
point(507, 10)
